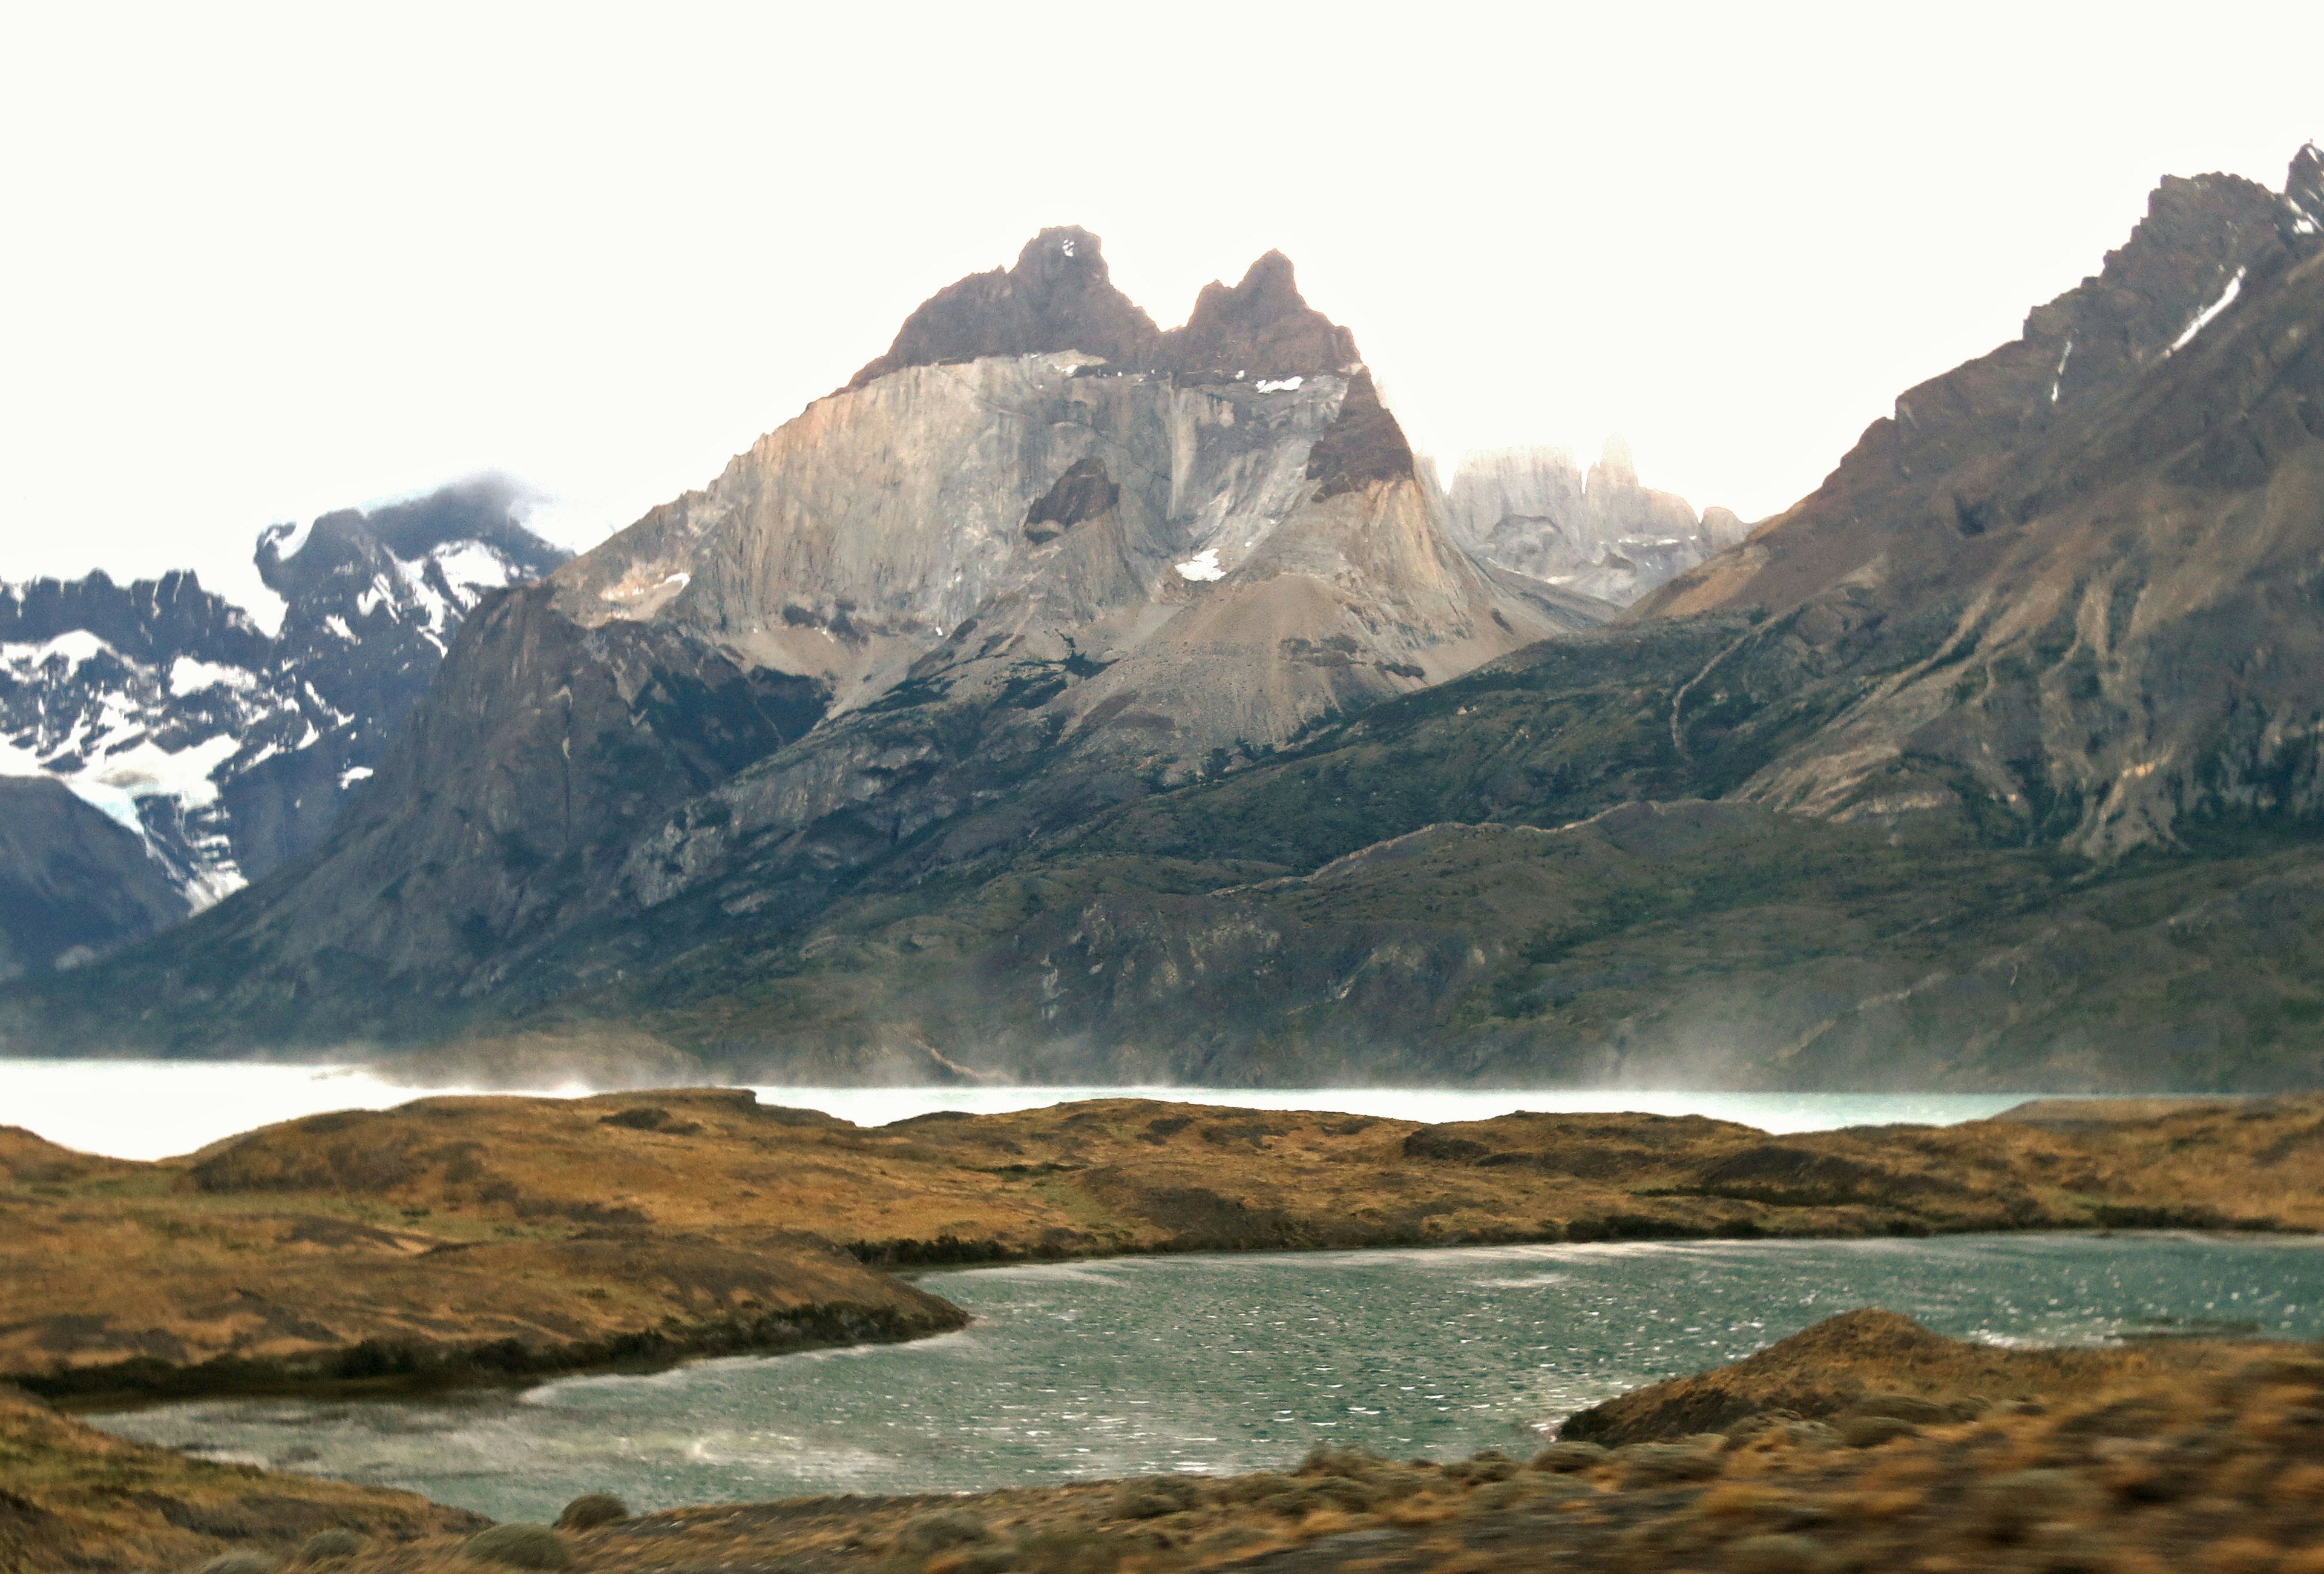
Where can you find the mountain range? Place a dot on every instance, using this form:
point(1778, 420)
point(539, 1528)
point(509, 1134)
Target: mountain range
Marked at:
point(1068, 698)
point(159, 750)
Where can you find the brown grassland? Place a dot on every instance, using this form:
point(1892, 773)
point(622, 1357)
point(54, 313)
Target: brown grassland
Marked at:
point(493, 1239)
point(477, 1239)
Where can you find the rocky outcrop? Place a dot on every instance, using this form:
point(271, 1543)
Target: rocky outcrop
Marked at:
point(1599, 533)
point(1059, 298)
point(2064, 589)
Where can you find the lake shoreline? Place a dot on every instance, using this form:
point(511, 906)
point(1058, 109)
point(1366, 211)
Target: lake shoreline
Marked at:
point(578, 1235)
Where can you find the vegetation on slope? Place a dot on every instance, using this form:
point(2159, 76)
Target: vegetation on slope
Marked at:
point(485, 1240)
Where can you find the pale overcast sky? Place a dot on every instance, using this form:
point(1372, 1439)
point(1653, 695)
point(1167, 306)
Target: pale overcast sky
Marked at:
point(262, 263)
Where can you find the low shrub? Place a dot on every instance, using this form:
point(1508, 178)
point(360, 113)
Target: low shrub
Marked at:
point(519, 1546)
point(240, 1564)
point(592, 1509)
point(942, 1528)
point(1152, 1496)
point(326, 1546)
point(1566, 1457)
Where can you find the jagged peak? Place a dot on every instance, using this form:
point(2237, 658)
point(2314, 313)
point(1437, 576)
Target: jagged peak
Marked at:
point(1058, 296)
point(1261, 327)
point(487, 508)
point(2303, 190)
point(1615, 466)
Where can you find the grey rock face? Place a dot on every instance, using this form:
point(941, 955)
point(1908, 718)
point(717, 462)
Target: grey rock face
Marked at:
point(1002, 562)
point(73, 884)
point(1601, 533)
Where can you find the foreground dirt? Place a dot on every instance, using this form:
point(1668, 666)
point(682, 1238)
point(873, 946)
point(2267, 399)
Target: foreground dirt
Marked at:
point(490, 1238)
point(2132, 1460)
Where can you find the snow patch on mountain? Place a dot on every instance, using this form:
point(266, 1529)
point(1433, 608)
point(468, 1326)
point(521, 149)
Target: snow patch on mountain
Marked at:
point(225, 748)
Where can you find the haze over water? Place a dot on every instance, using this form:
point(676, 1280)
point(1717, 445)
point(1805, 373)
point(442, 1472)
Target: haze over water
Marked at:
point(154, 1109)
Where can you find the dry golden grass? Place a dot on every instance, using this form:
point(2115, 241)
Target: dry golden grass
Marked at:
point(482, 1238)
point(73, 1497)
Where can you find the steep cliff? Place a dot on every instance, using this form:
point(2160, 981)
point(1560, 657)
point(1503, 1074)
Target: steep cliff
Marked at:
point(73, 882)
point(2069, 589)
point(1039, 551)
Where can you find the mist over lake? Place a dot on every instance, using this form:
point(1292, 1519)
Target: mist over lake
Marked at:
point(152, 1109)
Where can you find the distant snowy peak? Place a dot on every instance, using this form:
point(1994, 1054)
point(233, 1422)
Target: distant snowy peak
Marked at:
point(1600, 531)
point(153, 694)
point(224, 751)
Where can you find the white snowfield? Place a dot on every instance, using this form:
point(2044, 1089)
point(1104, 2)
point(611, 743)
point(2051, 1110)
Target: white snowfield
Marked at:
point(1203, 566)
point(2203, 318)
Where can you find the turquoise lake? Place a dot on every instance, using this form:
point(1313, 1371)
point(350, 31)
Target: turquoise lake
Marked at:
point(1231, 1363)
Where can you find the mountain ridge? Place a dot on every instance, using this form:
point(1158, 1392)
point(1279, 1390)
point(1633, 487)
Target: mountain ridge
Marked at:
point(1985, 765)
point(223, 750)
point(1068, 580)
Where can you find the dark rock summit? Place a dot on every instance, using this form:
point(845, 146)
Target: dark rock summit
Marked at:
point(1262, 329)
point(1059, 297)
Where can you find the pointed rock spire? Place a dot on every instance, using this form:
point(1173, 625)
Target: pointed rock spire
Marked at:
point(1059, 297)
point(1262, 328)
point(2304, 193)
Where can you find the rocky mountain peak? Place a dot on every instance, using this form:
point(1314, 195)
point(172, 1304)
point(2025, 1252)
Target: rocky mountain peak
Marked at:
point(1262, 328)
point(2304, 192)
point(459, 538)
point(1059, 296)
point(1615, 467)
point(1601, 532)
point(217, 751)
point(2201, 235)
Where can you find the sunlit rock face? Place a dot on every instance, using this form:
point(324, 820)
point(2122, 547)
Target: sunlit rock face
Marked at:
point(1600, 531)
point(222, 751)
point(1040, 548)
